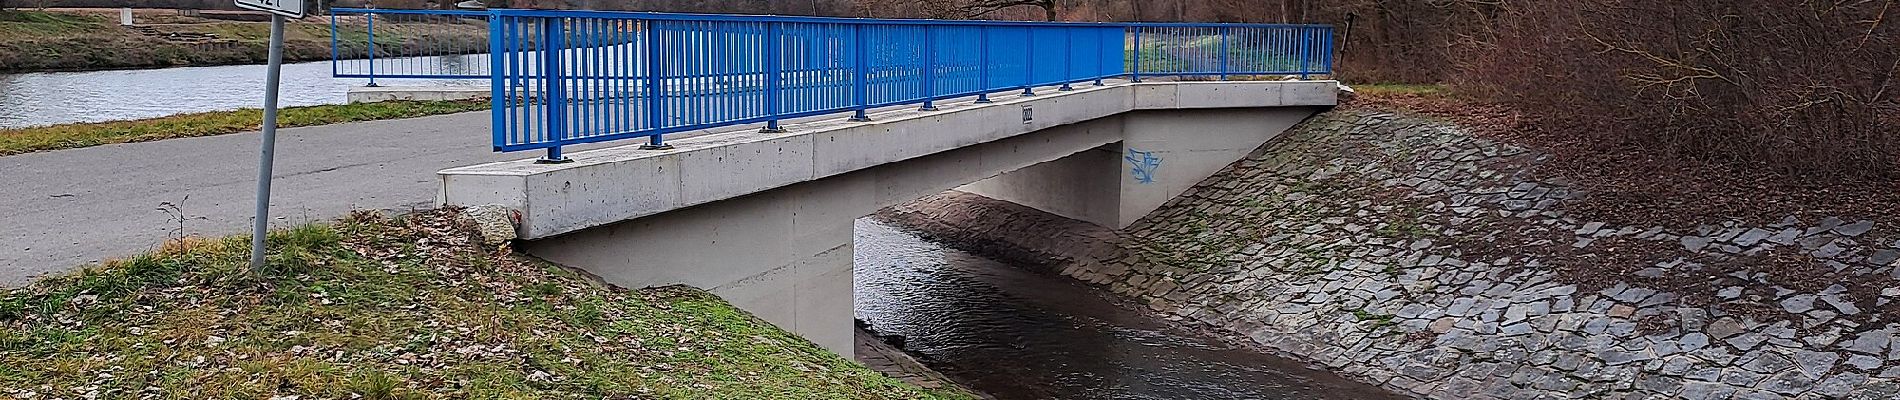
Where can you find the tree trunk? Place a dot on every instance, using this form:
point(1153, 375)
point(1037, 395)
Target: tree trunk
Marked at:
point(1049, 12)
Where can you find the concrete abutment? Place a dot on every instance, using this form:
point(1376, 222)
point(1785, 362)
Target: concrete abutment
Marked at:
point(765, 220)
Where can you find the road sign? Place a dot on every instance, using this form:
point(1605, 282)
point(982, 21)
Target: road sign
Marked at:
point(287, 8)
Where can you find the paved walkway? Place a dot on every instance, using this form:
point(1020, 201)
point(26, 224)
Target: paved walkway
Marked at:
point(67, 208)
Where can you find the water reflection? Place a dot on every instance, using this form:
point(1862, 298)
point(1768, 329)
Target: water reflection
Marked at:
point(65, 97)
point(1021, 335)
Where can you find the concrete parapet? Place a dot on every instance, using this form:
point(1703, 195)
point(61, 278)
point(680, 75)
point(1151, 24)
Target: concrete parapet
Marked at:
point(373, 94)
point(615, 184)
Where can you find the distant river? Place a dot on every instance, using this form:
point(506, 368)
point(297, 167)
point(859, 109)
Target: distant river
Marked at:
point(47, 98)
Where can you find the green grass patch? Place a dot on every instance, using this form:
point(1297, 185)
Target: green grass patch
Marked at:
point(412, 307)
point(68, 136)
point(22, 22)
point(1378, 320)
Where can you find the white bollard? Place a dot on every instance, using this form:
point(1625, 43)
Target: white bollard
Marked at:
point(125, 16)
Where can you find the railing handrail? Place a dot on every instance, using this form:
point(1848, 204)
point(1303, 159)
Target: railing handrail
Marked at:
point(566, 77)
point(668, 16)
point(472, 13)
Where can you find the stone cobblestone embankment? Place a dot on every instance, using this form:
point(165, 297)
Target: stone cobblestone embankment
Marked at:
point(1408, 253)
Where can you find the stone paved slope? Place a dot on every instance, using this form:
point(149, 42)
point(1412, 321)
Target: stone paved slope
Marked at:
point(1406, 252)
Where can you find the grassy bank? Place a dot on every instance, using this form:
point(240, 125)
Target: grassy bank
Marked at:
point(405, 308)
point(67, 40)
point(68, 136)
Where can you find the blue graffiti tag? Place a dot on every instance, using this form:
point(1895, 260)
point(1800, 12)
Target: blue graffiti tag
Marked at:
point(1145, 164)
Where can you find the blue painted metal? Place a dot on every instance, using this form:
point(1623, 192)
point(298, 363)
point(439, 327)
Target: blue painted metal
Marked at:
point(422, 46)
point(774, 66)
point(552, 46)
point(333, 49)
point(1134, 74)
point(562, 78)
point(371, 46)
point(860, 74)
point(1225, 36)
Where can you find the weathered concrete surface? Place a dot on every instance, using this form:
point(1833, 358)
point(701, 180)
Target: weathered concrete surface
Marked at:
point(611, 185)
point(1162, 154)
point(785, 254)
point(764, 219)
point(367, 94)
point(1409, 253)
point(65, 209)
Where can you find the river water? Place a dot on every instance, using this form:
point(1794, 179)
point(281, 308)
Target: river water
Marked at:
point(46, 98)
point(1016, 334)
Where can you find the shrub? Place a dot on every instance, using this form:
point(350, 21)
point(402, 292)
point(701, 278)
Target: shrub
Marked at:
point(1803, 88)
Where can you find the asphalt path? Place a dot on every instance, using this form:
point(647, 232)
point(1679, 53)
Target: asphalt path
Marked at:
point(69, 208)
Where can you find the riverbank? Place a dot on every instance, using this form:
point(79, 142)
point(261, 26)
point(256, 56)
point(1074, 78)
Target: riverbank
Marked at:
point(1015, 332)
point(1413, 253)
point(81, 40)
point(407, 307)
point(71, 136)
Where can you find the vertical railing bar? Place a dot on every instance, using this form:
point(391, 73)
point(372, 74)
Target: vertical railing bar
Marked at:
point(333, 51)
point(556, 126)
point(1029, 62)
point(372, 48)
point(654, 66)
point(1068, 58)
point(773, 67)
point(1329, 51)
point(1224, 33)
point(860, 88)
point(929, 70)
point(1135, 75)
point(1305, 54)
point(498, 124)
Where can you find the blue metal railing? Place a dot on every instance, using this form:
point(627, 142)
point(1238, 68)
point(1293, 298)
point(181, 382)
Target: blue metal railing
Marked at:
point(421, 44)
point(562, 78)
point(1223, 50)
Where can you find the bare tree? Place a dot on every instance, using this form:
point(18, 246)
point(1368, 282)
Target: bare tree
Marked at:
point(980, 8)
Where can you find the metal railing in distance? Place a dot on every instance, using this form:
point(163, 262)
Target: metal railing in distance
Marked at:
point(423, 44)
point(1223, 50)
point(570, 77)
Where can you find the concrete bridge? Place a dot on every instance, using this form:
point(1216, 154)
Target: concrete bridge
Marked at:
point(765, 219)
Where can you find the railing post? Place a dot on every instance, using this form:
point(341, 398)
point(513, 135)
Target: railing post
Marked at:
point(1029, 62)
point(1100, 69)
point(656, 117)
point(929, 70)
point(1305, 53)
point(1135, 75)
point(1327, 47)
point(983, 64)
point(773, 68)
point(861, 75)
point(1224, 33)
point(372, 48)
point(552, 43)
point(499, 94)
point(334, 59)
point(1068, 58)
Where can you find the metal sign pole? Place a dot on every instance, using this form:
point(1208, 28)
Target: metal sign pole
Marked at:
point(267, 151)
